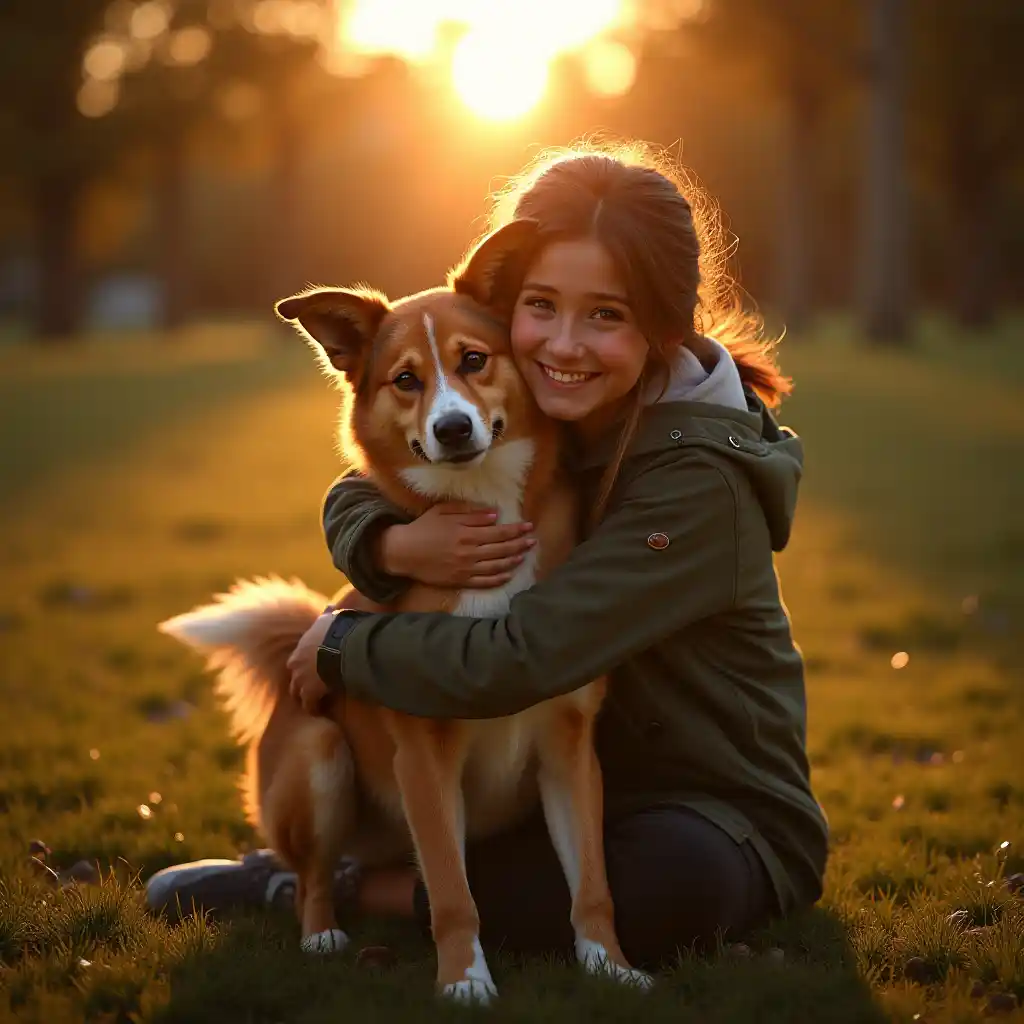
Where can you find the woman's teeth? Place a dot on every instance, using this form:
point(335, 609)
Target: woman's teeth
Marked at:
point(566, 378)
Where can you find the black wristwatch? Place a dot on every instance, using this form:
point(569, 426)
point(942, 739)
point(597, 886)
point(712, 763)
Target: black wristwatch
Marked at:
point(328, 656)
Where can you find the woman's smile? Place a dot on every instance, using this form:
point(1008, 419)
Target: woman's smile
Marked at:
point(567, 378)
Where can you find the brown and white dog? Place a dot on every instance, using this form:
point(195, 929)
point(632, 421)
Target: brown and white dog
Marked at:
point(434, 410)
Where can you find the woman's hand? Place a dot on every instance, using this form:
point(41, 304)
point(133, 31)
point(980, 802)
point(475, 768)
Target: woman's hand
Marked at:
point(306, 686)
point(455, 545)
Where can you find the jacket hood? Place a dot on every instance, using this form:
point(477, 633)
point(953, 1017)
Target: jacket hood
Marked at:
point(770, 455)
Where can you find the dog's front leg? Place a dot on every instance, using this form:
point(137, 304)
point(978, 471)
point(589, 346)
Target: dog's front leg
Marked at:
point(573, 801)
point(428, 768)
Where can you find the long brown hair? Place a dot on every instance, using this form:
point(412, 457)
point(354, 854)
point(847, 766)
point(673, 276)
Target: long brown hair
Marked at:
point(665, 236)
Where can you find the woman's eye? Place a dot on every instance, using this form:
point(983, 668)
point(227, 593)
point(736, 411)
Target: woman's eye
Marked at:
point(605, 313)
point(407, 381)
point(539, 303)
point(473, 362)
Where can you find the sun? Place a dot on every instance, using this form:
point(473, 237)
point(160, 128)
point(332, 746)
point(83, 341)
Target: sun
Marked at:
point(496, 79)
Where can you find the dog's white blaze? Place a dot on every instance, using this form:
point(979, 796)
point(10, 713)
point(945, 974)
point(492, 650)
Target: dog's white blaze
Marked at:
point(448, 400)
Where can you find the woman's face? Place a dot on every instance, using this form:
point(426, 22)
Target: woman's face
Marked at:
point(574, 336)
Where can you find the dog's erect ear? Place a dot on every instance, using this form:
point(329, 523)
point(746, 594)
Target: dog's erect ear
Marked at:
point(342, 322)
point(493, 272)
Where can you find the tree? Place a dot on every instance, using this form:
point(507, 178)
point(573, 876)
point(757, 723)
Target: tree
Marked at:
point(52, 150)
point(804, 52)
point(968, 104)
point(885, 272)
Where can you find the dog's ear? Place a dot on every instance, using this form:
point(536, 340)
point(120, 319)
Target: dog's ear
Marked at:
point(342, 322)
point(492, 274)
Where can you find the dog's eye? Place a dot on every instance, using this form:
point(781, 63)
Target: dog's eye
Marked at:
point(473, 362)
point(407, 381)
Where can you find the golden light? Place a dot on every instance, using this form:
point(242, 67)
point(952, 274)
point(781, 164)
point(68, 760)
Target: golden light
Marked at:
point(502, 60)
point(610, 68)
point(495, 80)
point(407, 30)
point(150, 20)
point(104, 60)
point(190, 45)
point(95, 99)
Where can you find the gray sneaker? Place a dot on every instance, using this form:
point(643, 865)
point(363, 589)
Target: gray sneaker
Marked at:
point(254, 881)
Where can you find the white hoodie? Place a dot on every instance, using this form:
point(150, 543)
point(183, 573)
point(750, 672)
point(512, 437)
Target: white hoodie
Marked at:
point(689, 381)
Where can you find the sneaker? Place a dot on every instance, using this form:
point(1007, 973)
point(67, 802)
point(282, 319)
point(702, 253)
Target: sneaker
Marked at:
point(253, 881)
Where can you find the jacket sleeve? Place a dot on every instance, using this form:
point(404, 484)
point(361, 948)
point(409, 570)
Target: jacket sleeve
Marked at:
point(354, 515)
point(616, 596)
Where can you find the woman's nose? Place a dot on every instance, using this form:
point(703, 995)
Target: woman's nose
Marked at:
point(562, 341)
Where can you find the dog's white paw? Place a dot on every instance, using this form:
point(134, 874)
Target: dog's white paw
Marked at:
point(334, 940)
point(595, 960)
point(469, 991)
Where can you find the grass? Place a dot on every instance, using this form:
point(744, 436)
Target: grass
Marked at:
point(137, 478)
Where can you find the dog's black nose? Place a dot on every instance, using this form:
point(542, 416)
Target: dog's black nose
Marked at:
point(453, 429)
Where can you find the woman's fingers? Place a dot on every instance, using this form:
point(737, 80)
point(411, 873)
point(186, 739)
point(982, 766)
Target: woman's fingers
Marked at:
point(497, 566)
point(507, 549)
point(501, 534)
point(484, 582)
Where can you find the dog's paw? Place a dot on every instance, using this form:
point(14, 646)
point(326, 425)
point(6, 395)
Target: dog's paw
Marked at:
point(595, 960)
point(334, 940)
point(471, 991)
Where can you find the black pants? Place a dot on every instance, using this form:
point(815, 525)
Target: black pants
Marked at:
point(676, 879)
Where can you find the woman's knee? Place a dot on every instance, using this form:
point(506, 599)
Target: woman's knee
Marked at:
point(678, 881)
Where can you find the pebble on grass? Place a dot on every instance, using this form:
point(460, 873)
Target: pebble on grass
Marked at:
point(1001, 1002)
point(82, 871)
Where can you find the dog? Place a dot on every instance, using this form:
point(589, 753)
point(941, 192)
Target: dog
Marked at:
point(434, 410)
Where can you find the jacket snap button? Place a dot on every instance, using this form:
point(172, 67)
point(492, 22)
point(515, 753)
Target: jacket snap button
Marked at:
point(676, 434)
point(658, 541)
point(734, 442)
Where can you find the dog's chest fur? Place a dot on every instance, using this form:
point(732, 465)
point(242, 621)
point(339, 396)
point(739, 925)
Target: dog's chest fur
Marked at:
point(498, 482)
point(499, 748)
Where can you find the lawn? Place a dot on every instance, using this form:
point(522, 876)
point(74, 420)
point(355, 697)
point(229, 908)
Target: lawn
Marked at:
point(139, 475)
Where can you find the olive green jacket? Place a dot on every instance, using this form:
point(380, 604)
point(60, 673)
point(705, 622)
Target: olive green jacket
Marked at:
point(706, 706)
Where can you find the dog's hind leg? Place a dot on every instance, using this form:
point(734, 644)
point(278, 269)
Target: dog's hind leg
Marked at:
point(572, 797)
point(428, 769)
point(315, 807)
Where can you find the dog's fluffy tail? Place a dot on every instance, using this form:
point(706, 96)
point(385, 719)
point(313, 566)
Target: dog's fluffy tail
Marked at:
point(248, 634)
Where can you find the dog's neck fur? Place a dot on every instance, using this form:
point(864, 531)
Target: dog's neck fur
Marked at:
point(499, 481)
point(513, 478)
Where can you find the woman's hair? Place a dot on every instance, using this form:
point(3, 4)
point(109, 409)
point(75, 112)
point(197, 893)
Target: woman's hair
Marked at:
point(665, 236)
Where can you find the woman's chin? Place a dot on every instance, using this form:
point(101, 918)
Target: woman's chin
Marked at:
point(567, 408)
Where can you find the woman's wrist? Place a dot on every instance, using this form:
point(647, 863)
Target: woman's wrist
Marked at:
point(390, 550)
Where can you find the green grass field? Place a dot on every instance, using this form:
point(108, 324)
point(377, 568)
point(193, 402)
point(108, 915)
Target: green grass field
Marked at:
point(136, 477)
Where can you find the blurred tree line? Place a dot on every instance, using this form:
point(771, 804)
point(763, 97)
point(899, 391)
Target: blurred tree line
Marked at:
point(868, 153)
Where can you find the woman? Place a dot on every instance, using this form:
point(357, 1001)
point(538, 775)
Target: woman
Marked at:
point(626, 329)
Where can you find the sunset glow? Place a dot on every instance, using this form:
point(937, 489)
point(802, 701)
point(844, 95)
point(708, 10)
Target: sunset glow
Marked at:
point(497, 60)
point(499, 64)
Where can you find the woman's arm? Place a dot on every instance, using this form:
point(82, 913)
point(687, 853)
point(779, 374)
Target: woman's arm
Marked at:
point(355, 517)
point(380, 549)
point(617, 595)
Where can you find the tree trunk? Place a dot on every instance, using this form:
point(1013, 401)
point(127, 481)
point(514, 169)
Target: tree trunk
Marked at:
point(172, 241)
point(973, 194)
point(284, 264)
point(56, 196)
point(885, 276)
point(795, 267)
